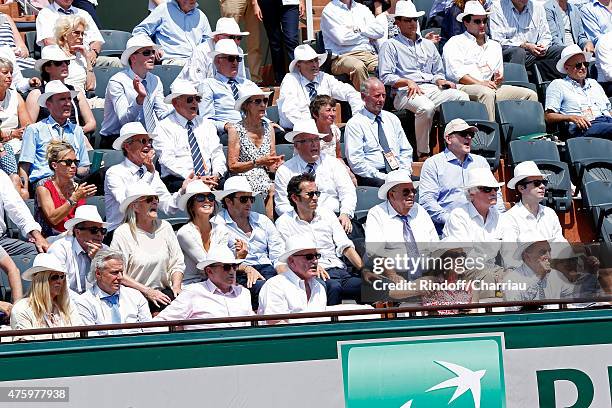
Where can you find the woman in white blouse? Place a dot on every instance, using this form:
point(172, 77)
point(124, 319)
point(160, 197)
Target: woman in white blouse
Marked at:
point(200, 234)
point(69, 34)
point(154, 261)
point(48, 303)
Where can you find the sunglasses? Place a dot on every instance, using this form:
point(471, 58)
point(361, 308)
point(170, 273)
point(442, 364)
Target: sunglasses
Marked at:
point(488, 189)
point(479, 21)
point(60, 276)
point(245, 199)
point(311, 194)
point(200, 198)
point(406, 192)
point(408, 19)
point(144, 141)
point(310, 257)
point(94, 230)
point(579, 65)
point(226, 267)
point(232, 58)
point(145, 53)
point(196, 98)
point(149, 199)
point(536, 183)
point(69, 162)
point(59, 63)
point(465, 134)
point(258, 101)
point(234, 37)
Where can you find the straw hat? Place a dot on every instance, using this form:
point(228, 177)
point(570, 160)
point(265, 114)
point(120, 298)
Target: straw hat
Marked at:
point(134, 44)
point(44, 262)
point(85, 213)
point(54, 88)
point(524, 170)
point(394, 178)
point(305, 52)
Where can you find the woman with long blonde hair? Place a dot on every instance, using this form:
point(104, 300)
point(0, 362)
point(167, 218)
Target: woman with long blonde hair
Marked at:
point(48, 302)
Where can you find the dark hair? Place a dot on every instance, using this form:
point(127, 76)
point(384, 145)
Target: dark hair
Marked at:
point(190, 208)
point(230, 197)
point(44, 75)
point(467, 18)
point(318, 102)
point(293, 187)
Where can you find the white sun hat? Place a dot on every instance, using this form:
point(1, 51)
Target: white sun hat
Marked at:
point(235, 184)
point(85, 213)
point(225, 47)
point(51, 53)
point(134, 44)
point(567, 53)
point(134, 192)
point(481, 177)
point(245, 92)
point(406, 9)
point(128, 130)
point(522, 246)
point(305, 52)
point(43, 262)
point(219, 254)
point(304, 126)
point(54, 88)
point(297, 243)
point(229, 26)
point(523, 170)
point(472, 8)
point(193, 188)
point(395, 177)
point(181, 87)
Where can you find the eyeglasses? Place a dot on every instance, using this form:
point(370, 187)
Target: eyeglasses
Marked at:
point(406, 192)
point(94, 230)
point(144, 141)
point(245, 199)
point(232, 58)
point(226, 267)
point(408, 19)
point(310, 257)
point(60, 276)
point(145, 53)
point(479, 21)
point(149, 199)
point(579, 65)
point(196, 98)
point(200, 198)
point(258, 101)
point(488, 189)
point(536, 183)
point(78, 33)
point(234, 37)
point(59, 63)
point(69, 162)
point(465, 134)
point(311, 194)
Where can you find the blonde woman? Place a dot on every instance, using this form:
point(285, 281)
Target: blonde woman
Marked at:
point(69, 33)
point(59, 196)
point(48, 302)
point(154, 261)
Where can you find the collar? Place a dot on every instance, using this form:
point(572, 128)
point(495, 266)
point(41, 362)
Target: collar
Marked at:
point(293, 214)
point(296, 280)
point(132, 167)
point(344, 6)
point(450, 156)
point(175, 4)
point(470, 37)
point(224, 79)
point(227, 218)
point(182, 121)
point(527, 8)
point(49, 119)
point(522, 209)
point(99, 293)
point(212, 288)
point(392, 213)
point(131, 74)
point(303, 163)
point(76, 247)
point(372, 116)
point(576, 84)
point(304, 80)
point(407, 40)
point(473, 213)
point(56, 8)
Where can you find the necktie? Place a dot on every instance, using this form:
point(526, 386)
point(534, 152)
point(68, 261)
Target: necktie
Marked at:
point(113, 302)
point(382, 139)
point(312, 92)
point(540, 290)
point(199, 168)
point(67, 12)
point(412, 251)
point(150, 120)
point(233, 84)
point(310, 168)
point(140, 172)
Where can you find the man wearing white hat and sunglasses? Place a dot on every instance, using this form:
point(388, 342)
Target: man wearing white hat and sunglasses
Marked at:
point(77, 248)
point(33, 162)
point(412, 65)
point(187, 143)
point(178, 26)
point(134, 94)
point(475, 62)
point(220, 93)
point(578, 100)
point(304, 81)
point(200, 64)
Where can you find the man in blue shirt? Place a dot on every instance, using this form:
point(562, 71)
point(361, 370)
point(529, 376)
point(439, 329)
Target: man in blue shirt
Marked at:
point(179, 27)
point(33, 163)
point(576, 99)
point(597, 18)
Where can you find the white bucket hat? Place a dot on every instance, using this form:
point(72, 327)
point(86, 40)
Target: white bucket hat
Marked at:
point(181, 87)
point(481, 177)
point(523, 245)
point(84, 213)
point(296, 243)
point(134, 44)
point(44, 262)
point(245, 92)
point(134, 192)
point(524, 170)
point(394, 178)
point(472, 8)
point(229, 26)
point(51, 53)
point(219, 254)
point(128, 130)
point(225, 47)
point(54, 88)
point(567, 53)
point(235, 184)
point(305, 52)
point(193, 188)
point(458, 125)
point(304, 126)
point(406, 9)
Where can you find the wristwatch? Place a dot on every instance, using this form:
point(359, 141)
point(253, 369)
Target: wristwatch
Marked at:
point(2, 149)
point(71, 202)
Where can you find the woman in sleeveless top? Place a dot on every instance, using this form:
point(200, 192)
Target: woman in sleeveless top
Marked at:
point(54, 65)
point(251, 147)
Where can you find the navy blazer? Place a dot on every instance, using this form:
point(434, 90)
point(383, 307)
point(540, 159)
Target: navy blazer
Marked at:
point(554, 16)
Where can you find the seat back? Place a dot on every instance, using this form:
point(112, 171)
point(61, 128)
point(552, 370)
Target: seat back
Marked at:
point(486, 142)
point(367, 197)
point(103, 75)
point(167, 74)
point(597, 193)
point(30, 73)
point(524, 150)
point(259, 206)
point(515, 72)
point(98, 114)
point(518, 118)
point(30, 40)
point(559, 190)
point(24, 262)
point(98, 201)
point(588, 148)
point(286, 149)
point(12, 228)
point(466, 110)
point(272, 113)
point(115, 42)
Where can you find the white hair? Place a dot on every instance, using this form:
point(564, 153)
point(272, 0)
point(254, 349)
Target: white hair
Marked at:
point(99, 261)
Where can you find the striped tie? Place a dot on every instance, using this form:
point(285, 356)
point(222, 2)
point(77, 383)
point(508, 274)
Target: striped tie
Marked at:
point(199, 168)
point(150, 119)
point(312, 91)
point(232, 83)
point(140, 172)
point(310, 168)
point(66, 12)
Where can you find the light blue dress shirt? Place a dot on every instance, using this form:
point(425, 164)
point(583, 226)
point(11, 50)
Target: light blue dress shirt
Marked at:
point(401, 57)
point(597, 20)
point(567, 97)
point(441, 184)
point(511, 28)
point(218, 100)
point(177, 32)
point(363, 150)
point(265, 244)
point(36, 139)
